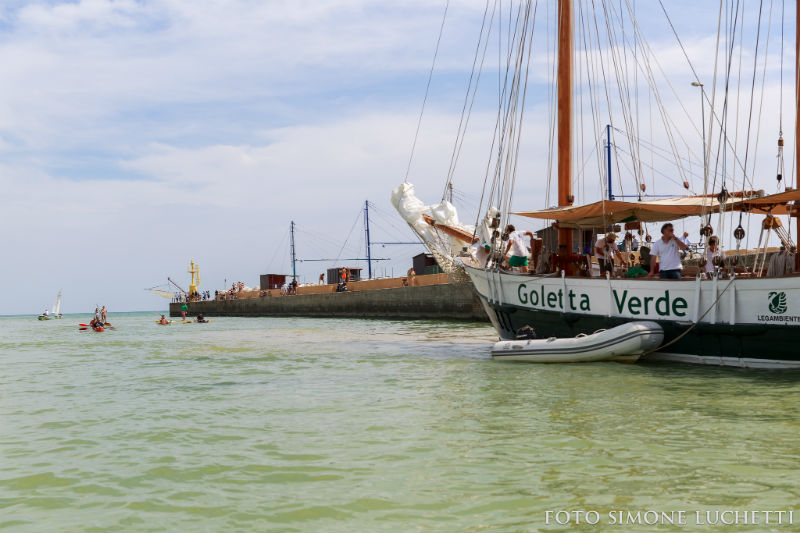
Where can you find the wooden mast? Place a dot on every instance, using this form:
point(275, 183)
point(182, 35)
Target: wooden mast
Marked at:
point(797, 119)
point(564, 87)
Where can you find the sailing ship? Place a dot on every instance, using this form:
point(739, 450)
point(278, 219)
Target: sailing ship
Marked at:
point(738, 315)
point(56, 310)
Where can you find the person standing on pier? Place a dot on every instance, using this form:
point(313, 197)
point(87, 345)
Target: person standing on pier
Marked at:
point(411, 276)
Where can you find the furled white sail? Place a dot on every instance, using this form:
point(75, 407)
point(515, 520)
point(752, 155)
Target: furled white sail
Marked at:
point(444, 247)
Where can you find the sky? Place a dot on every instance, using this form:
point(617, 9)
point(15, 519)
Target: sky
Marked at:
point(136, 136)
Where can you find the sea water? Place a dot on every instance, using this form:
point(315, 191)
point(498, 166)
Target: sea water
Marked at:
point(292, 424)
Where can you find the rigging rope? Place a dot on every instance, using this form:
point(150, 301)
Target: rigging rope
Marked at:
point(427, 90)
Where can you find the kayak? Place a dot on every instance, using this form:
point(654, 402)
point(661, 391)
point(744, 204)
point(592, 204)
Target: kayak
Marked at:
point(99, 329)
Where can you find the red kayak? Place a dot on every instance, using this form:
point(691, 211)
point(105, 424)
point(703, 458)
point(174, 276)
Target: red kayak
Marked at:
point(98, 328)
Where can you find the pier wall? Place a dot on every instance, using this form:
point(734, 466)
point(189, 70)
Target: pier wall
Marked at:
point(442, 301)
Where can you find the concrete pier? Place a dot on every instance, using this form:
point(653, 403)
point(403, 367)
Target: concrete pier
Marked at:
point(442, 301)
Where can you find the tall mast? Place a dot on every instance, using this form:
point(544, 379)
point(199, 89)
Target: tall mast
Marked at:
point(291, 251)
point(369, 242)
point(797, 118)
point(564, 87)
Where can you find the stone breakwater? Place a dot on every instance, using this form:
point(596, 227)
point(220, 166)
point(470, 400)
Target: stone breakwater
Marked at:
point(441, 301)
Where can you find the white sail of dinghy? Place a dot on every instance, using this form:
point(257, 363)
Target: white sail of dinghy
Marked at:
point(57, 306)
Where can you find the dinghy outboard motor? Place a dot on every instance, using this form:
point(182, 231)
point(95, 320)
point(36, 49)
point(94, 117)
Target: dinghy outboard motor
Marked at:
point(525, 333)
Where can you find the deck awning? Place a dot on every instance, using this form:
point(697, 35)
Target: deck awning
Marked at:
point(606, 212)
point(777, 204)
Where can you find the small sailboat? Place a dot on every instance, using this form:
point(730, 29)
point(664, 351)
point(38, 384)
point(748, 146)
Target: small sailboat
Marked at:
point(56, 312)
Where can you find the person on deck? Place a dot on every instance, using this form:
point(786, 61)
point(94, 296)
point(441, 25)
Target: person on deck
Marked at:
point(644, 256)
point(685, 240)
point(668, 251)
point(712, 251)
point(519, 251)
point(46, 313)
point(482, 254)
point(322, 279)
point(636, 271)
point(605, 249)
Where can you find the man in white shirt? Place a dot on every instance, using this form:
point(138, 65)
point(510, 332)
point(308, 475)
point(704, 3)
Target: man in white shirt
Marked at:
point(519, 251)
point(668, 250)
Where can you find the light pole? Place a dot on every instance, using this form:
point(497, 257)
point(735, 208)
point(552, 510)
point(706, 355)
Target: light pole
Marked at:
point(703, 118)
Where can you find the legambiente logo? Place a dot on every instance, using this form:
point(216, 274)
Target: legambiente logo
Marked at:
point(777, 302)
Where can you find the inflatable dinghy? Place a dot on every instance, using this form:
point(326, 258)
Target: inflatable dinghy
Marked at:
point(624, 343)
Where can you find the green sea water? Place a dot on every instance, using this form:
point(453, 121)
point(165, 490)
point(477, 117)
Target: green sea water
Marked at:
point(289, 424)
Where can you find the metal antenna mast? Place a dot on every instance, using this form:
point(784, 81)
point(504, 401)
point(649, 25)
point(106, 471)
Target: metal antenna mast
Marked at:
point(369, 244)
point(291, 251)
point(608, 161)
